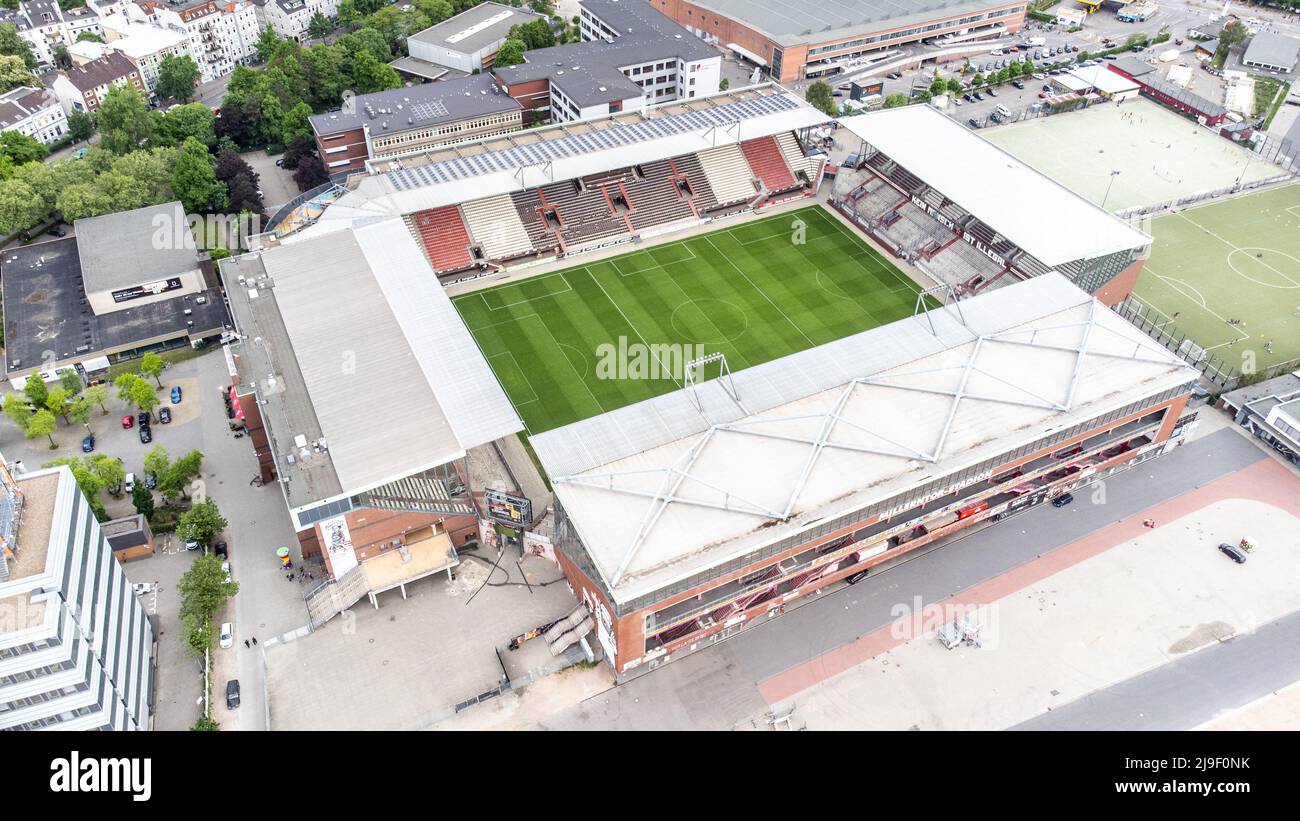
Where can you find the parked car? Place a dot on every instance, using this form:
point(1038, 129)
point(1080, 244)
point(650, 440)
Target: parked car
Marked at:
point(992, 93)
point(232, 694)
point(130, 482)
point(144, 419)
point(145, 436)
point(979, 96)
point(974, 123)
point(128, 421)
point(1020, 84)
point(88, 444)
point(225, 568)
point(1233, 552)
point(227, 635)
point(894, 75)
point(176, 394)
point(1062, 500)
point(192, 544)
point(164, 415)
point(150, 480)
point(1109, 57)
point(279, 163)
point(1043, 95)
point(57, 231)
point(220, 549)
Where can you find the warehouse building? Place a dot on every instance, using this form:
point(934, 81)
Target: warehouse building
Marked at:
point(467, 42)
point(793, 40)
point(1272, 52)
point(76, 646)
point(686, 518)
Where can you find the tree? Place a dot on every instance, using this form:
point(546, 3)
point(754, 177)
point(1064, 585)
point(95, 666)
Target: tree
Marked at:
point(201, 523)
point(14, 73)
point(62, 59)
point(311, 173)
point(319, 26)
point(348, 14)
point(954, 86)
point(42, 423)
point(179, 475)
point(822, 98)
point(142, 498)
point(939, 86)
point(535, 34)
point(108, 469)
point(22, 149)
point(299, 148)
point(57, 401)
point(97, 395)
point(79, 411)
point(12, 43)
point(157, 461)
point(185, 121)
point(124, 121)
point(153, 365)
point(977, 80)
point(144, 397)
point(204, 590)
point(20, 207)
point(206, 724)
point(267, 44)
point(545, 7)
point(15, 407)
point(297, 123)
point(724, 84)
point(194, 180)
point(244, 196)
point(88, 482)
point(177, 77)
point(35, 388)
point(511, 53)
point(370, 75)
point(70, 381)
point(896, 100)
point(88, 36)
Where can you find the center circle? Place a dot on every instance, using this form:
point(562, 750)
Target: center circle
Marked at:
point(1265, 266)
point(709, 321)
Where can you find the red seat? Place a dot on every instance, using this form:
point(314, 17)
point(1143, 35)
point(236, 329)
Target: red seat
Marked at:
point(445, 238)
point(765, 160)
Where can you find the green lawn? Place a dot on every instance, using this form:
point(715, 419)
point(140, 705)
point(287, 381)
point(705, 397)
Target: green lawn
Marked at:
point(1233, 260)
point(750, 291)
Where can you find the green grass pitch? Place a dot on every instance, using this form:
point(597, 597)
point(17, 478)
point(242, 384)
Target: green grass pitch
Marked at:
point(1236, 259)
point(749, 291)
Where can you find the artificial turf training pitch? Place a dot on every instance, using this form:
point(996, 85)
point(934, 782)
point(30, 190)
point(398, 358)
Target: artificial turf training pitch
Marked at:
point(751, 292)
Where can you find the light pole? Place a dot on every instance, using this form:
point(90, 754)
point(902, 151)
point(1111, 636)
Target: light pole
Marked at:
point(1113, 175)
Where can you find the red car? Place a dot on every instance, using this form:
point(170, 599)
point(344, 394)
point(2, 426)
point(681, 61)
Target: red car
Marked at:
point(128, 421)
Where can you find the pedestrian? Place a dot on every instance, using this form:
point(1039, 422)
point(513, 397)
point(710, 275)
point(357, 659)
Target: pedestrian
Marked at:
point(246, 644)
point(254, 641)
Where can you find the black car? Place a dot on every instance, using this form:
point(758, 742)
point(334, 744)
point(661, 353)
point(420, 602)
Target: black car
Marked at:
point(150, 481)
point(57, 231)
point(146, 436)
point(974, 123)
point(220, 549)
point(893, 75)
point(1233, 552)
point(164, 415)
point(232, 694)
point(1062, 500)
point(144, 419)
point(979, 96)
point(1020, 84)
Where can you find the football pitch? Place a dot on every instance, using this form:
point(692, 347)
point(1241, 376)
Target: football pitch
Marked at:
point(585, 340)
point(1233, 260)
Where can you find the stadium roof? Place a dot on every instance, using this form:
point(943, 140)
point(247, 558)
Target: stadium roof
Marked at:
point(791, 22)
point(476, 28)
point(670, 487)
point(521, 160)
point(1045, 219)
point(393, 385)
point(1269, 49)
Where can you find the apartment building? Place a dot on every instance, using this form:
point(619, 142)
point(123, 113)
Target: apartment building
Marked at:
point(289, 18)
point(34, 112)
point(219, 35)
point(46, 26)
point(146, 45)
point(76, 646)
point(83, 87)
point(630, 56)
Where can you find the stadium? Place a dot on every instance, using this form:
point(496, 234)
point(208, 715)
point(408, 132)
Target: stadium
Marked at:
point(989, 221)
point(752, 465)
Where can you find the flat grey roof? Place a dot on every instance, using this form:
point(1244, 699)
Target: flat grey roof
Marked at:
point(791, 22)
point(1269, 49)
point(46, 310)
point(1174, 91)
point(476, 28)
point(401, 109)
point(130, 247)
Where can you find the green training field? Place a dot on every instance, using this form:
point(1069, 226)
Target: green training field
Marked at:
point(751, 292)
point(1237, 259)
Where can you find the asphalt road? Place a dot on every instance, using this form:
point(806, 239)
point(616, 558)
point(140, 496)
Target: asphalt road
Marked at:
point(716, 688)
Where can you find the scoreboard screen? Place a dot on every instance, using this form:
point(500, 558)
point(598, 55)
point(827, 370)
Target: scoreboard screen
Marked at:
point(508, 509)
point(873, 89)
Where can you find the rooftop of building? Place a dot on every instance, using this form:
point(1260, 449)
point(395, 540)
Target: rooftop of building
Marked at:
point(476, 28)
point(537, 156)
point(680, 484)
point(140, 40)
point(986, 181)
point(39, 496)
point(128, 248)
point(792, 22)
point(589, 73)
point(1267, 48)
point(47, 312)
point(403, 109)
point(1103, 79)
point(20, 103)
point(1190, 99)
point(128, 531)
point(110, 68)
point(1279, 388)
point(401, 336)
point(1132, 66)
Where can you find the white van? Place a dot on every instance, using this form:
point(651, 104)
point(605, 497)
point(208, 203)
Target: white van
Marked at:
point(129, 484)
point(1002, 111)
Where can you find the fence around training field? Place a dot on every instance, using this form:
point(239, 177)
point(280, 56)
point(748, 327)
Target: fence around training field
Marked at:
point(1213, 368)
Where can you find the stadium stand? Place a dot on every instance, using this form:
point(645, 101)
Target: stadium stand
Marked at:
point(654, 196)
point(495, 227)
point(962, 266)
point(795, 157)
point(442, 234)
point(729, 175)
point(702, 195)
point(528, 206)
point(585, 209)
point(766, 163)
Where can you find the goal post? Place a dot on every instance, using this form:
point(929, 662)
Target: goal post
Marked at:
point(706, 368)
